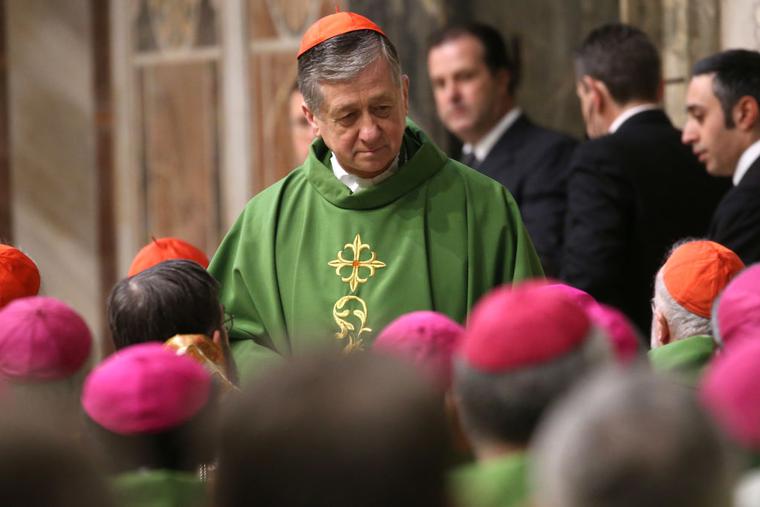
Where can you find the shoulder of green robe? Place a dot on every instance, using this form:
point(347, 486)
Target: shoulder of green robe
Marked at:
point(687, 357)
point(472, 181)
point(501, 482)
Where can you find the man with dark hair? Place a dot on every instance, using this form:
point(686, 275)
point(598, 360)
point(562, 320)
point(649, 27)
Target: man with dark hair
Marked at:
point(475, 78)
point(723, 128)
point(523, 348)
point(171, 298)
point(633, 189)
point(331, 431)
point(378, 222)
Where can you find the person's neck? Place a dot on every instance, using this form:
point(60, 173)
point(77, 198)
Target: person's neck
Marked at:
point(486, 451)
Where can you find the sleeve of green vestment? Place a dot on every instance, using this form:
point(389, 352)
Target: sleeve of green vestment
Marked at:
point(248, 248)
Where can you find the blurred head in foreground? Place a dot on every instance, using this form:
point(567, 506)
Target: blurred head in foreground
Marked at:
point(630, 438)
point(333, 431)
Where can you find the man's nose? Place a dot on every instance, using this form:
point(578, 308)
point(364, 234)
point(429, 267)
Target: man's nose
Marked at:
point(369, 130)
point(689, 134)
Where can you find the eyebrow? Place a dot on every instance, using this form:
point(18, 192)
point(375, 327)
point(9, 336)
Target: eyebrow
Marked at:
point(694, 108)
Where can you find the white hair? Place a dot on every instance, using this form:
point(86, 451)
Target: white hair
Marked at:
point(682, 322)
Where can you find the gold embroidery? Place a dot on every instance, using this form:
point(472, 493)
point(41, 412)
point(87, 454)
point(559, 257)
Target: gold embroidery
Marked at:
point(348, 329)
point(354, 279)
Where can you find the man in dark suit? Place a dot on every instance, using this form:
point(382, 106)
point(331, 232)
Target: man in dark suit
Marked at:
point(633, 189)
point(723, 128)
point(474, 79)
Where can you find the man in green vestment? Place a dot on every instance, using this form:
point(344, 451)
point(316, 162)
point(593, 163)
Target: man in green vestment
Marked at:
point(694, 275)
point(522, 349)
point(377, 222)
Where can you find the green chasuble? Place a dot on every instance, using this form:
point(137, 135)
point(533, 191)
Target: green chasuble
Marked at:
point(159, 488)
point(309, 264)
point(686, 358)
point(501, 482)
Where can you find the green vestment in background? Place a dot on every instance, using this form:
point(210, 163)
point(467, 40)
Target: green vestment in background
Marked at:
point(160, 488)
point(310, 264)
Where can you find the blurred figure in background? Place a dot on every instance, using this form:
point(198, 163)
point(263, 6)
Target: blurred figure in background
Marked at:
point(628, 438)
point(301, 132)
point(475, 79)
point(632, 174)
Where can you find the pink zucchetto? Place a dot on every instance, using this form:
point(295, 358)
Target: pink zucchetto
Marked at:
point(736, 314)
point(427, 339)
point(622, 335)
point(42, 339)
point(145, 389)
point(730, 390)
point(518, 327)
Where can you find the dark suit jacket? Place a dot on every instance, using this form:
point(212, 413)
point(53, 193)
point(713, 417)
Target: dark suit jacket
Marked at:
point(631, 195)
point(532, 163)
point(736, 222)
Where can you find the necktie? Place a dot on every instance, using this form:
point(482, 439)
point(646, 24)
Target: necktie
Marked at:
point(471, 160)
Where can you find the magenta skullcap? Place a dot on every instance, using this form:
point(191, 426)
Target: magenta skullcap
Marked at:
point(736, 314)
point(616, 327)
point(42, 338)
point(145, 389)
point(517, 327)
point(427, 339)
point(621, 333)
point(730, 390)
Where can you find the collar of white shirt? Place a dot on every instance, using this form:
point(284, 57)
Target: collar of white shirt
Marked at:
point(745, 161)
point(622, 117)
point(356, 183)
point(482, 148)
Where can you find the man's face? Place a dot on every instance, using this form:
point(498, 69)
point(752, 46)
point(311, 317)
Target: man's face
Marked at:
point(300, 131)
point(363, 121)
point(469, 98)
point(718, 147)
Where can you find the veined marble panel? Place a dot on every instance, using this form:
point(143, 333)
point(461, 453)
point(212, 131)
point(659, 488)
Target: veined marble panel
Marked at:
point(53, 148)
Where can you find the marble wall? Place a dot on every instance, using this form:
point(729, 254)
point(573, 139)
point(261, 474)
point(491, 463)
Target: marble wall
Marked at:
point(52, 148)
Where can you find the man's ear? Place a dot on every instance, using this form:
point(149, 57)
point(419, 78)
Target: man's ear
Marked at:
point(746, 113)
point(311, 118)
point(661, 329)
point(405, 92)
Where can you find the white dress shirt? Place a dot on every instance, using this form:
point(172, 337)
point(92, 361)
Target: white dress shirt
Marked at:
point(746, 160)
point(622, 117)
point(357, 183)
point(484, 146)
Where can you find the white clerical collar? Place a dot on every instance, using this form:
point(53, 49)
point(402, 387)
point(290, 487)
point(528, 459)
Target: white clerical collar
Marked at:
point(622, 117)
point(357, 183)
point(482, 148)
point(745, 161)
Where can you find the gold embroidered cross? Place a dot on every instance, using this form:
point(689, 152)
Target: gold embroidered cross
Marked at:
point(356, 264)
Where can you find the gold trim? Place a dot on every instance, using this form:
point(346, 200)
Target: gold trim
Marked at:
point(348, 329)
point(354, 279)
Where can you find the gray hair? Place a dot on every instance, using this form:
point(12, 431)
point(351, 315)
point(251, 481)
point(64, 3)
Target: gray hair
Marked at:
point(682, 322)
point(627, 438)
point(341, 59)
point(507, 407)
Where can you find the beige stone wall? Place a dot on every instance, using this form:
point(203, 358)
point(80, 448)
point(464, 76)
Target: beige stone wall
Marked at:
point(52, 146)
point(740, 24)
